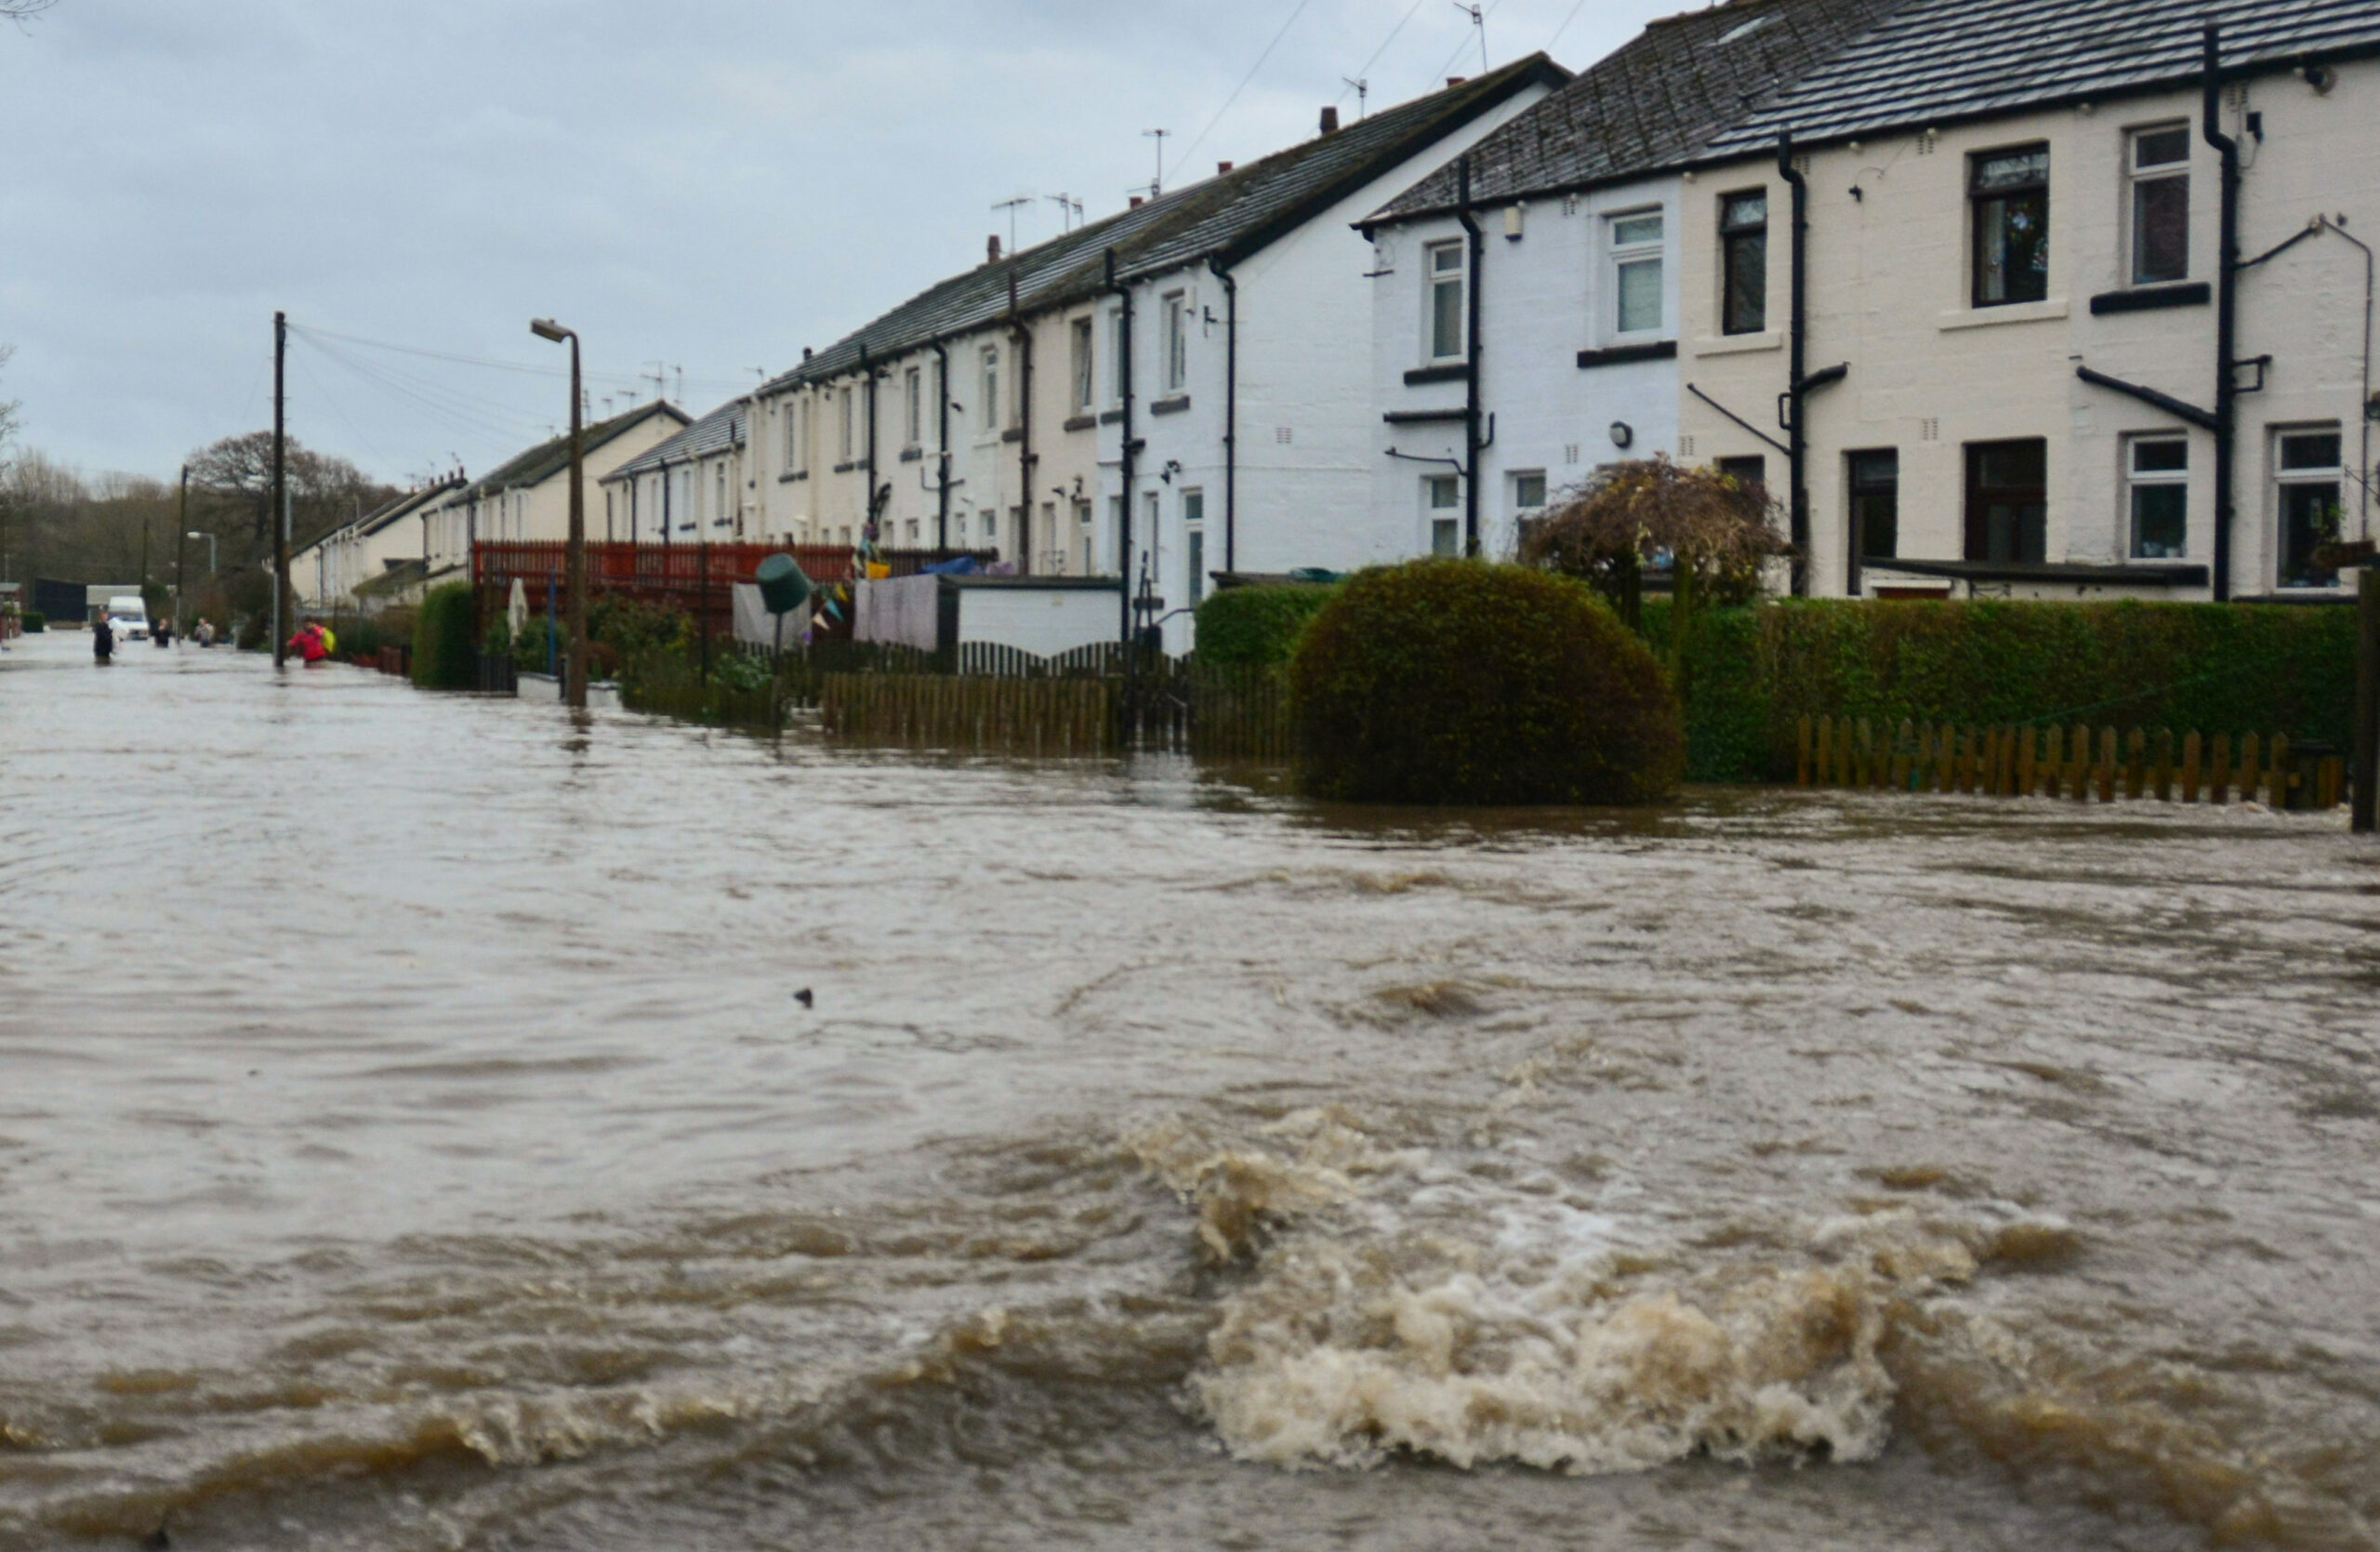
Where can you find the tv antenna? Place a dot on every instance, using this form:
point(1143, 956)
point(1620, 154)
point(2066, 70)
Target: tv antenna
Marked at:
point(1478, 15)
point(1363, 90)
point(1069, 211)
point(658, 378)
point(1012, 206)
point(1156, 184)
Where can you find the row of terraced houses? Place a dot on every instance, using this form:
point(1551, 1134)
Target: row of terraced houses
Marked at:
point(2029, 297)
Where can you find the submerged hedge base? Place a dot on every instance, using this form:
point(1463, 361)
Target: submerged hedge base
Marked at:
point(1248, 628)
point(2218, 668)
point(1458, 681)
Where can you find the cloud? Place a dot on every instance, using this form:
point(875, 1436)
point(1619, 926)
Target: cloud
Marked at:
point(710, 185)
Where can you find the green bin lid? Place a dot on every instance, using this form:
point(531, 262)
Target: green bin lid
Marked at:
point(784, 588)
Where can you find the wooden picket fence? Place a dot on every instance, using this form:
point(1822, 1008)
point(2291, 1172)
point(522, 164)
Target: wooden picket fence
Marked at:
point(970, 711)
point(2016, 762)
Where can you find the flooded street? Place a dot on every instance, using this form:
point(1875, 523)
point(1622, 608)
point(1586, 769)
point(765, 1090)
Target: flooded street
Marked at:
point(410, 1139)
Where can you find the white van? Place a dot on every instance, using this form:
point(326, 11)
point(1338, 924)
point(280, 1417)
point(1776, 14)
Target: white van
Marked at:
point(128, 617)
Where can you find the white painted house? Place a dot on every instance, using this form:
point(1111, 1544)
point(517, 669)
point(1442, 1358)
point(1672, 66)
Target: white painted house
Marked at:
point(687, 489)
point(527, 498)
point(2012, 356)
point(1524, 302)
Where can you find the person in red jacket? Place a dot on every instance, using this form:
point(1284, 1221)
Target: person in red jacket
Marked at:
point(308, 643)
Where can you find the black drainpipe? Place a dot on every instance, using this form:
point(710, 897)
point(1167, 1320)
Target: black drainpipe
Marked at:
point(1470, 443)
point(942, 443)
point(2226, 318)
point(1231, 412)
point(1024, 459)
point(867, 377)
point(1797, 448)
point(666, 523)
point(1125, 447)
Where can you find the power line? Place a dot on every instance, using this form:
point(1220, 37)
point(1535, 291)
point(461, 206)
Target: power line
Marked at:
point(1479, 15)
point(1566, 25)
point(1297, 11)
point(1365, 72)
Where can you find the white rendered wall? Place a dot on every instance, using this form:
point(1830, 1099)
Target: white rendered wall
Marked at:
point(1046, 621)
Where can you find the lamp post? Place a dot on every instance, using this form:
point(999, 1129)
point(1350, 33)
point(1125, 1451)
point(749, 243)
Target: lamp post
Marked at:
point(181, 563)
point(574, 690)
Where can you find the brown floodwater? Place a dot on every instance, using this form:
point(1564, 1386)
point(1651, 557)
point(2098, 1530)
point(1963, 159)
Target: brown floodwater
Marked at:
point(410, 1139)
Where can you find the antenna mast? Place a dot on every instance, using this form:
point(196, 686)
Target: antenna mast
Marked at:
point(1156, 184)
point(1012, 206)
point(1363, 90)
point(1478, 15)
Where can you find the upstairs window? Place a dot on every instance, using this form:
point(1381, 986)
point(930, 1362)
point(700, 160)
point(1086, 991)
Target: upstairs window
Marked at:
point(1177, 342)
point(1743, 263)
point(990, 388)
point(1444, 275)
point(797, 416)
point(2159, 164)
point(1635, 247)
point(1116, 345)
point(1082, 356)
point(2010, 193)
point(843, 438)
point(913, 402)
point(2156, 473)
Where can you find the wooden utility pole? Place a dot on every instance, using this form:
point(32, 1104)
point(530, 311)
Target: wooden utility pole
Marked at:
point(280, 490)
point(2365, 805)
point(182, 559)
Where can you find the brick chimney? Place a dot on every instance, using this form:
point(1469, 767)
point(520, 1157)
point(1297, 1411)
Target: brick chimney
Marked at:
point(1330, 120)
point(1136, 202)
point(992, 248)
point(1221, 167)
point(1454, 81)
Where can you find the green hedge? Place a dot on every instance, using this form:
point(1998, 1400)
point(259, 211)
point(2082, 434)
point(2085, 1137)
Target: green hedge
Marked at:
point(1253, 627)
point(35, 622)
point(2216, 667)
point(1459, 682)
point(442, 639)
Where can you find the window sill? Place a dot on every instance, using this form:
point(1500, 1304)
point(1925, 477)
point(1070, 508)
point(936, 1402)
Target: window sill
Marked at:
point(911, 455)
point(1080, 423)
point(1111, 416)
point(1453, 371)
point(1014, 433)
point(1617, 355)
point(1173, 405)
point(2151, 299)
point(797, 475)
point(1740, 344)
point(2008, 313)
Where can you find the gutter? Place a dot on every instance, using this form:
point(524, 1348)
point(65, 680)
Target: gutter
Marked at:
point(1797, 452)
point(1127, 447)
point(1475, 241)
point(1231, 411)
point(2227, 311)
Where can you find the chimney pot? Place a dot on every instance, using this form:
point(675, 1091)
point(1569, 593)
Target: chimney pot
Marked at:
point(1457, 80)
point(1330, 120)
point(1221, 167)
point(992, 248)
point(1136, 202)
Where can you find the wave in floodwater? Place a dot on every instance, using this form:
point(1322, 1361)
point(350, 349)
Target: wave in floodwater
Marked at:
point(1164, 1164)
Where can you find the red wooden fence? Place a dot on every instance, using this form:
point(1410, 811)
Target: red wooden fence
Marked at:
point(690, 577)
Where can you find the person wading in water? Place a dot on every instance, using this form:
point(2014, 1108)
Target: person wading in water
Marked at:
point(102, 639)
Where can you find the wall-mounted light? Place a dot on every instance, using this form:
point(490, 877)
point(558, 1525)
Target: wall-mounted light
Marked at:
point(1623, 433)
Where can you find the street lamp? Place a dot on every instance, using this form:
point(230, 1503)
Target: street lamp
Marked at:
point(574, 673)
point(194, 534)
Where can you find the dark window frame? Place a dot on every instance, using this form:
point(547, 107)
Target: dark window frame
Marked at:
point(2027, 530)
point(1866, 476)
point(1743, 263)
point(1989, 212)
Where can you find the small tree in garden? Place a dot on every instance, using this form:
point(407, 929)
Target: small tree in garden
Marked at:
point(1714, 532)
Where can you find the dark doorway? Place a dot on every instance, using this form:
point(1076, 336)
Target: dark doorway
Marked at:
point(2008, 501)
point(1874, 479)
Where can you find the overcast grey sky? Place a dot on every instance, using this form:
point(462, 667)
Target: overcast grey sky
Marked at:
point(711, 184)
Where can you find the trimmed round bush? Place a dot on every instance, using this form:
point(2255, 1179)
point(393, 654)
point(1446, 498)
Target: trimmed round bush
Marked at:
point(1458, 681)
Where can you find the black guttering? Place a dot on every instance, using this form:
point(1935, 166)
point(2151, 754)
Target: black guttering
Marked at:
point(1231, 411)
point(941, 349)
point(2227, 306)
point(1797, 450)
point(1476, 242)
point(1125, 447)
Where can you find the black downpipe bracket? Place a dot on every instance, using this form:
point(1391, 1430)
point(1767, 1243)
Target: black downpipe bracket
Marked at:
point(1125, 450)
point(1797, 449)
point(1231, 412)
point(942, 443)
point(1476, 243)
point(2226, 313)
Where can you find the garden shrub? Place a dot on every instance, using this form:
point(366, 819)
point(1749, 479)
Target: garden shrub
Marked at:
point(35, 622)
point(1256, 627)
point(2212, 668)
point(442, 640)
point(1458, 681)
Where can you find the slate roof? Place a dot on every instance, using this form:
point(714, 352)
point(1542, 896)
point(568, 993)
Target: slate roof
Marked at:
point(1654, 105)
point(548, 458)
point(722, 429)
point(1935, 61)
point(1226, 216)
point(396, 510)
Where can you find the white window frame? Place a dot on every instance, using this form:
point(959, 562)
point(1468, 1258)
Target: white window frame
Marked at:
point(1177, 340)
point(1083, 352)
point(913, 386)
point(844, 434)
point(1435, 279)
point(1433, 513)
point(2137, 177)
point(1620, 257)
point(2333, 475)
point(987, 386)
point(2136, 478)
point(1194, 542)
point(1116, 355)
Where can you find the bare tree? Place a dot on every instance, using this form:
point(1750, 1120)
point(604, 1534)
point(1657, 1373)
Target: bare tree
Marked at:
point(23, 10)
point(324, 491)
